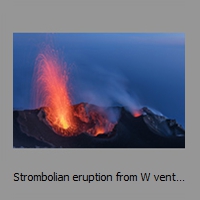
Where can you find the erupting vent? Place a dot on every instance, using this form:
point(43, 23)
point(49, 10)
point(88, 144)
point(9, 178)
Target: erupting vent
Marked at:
point(51, 91)
point(87, 118)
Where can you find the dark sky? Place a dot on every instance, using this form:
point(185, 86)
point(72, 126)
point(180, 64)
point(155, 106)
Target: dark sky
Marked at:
point(132, 70)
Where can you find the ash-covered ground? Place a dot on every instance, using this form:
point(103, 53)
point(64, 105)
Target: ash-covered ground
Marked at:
point(149, 130)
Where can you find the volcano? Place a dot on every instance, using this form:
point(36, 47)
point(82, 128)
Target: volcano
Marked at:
point(95, 129)
point(58, 123)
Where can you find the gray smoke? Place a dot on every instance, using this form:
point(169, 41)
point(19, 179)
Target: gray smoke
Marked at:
point(104, 87)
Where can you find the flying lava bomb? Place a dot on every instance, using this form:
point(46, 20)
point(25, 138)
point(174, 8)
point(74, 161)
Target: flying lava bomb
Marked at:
point(50, 89)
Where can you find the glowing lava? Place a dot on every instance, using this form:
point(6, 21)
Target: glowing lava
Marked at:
point(100, 130)
point(50, 89)
point(137, 113)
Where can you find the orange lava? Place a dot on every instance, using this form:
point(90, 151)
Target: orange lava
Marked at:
point(50, 89)
point(100, 130)
point(137, 113)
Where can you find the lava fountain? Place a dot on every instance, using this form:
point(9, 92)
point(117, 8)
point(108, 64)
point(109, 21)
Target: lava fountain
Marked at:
point(51, 91)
